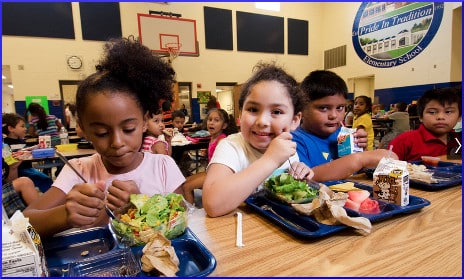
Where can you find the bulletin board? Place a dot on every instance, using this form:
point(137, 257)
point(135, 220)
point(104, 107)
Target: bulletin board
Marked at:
point(203, 96)
point(41, 100)
point(155, 32)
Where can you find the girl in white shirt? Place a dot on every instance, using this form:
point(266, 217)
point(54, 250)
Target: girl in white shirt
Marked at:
point(270, 104)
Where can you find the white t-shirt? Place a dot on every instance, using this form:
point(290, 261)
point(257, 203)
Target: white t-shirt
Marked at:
point(72, 118)
point(157, 174)
point(235, 153)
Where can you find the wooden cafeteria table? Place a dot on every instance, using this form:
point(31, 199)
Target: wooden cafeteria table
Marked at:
point(423, 243)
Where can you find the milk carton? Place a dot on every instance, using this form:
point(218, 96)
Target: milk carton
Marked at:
point(391, 182)
point(22, 251)
point(346, 143)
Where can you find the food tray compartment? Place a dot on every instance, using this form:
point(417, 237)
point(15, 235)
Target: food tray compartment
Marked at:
point(194, 258)
point(116, 263)
point(314, 229)
point(447, 175)
point(68, 248)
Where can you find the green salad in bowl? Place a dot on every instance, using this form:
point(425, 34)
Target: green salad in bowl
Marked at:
point(145, 215)
point(287, 189)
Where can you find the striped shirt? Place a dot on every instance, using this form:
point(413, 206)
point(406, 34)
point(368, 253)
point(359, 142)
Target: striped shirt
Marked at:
point(51, 130)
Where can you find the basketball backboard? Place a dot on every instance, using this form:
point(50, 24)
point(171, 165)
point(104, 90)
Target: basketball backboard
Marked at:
point(161, 32)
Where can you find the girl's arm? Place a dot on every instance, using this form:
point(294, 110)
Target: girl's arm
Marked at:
point(159, 148)
point(224, 190)
point(51, 207)
point(345, 166)
point(55, 211)
point(168, 134)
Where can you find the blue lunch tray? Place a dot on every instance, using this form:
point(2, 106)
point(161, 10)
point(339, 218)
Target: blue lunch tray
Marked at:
point(447, 175)
point(63, 251)
point(313, 229)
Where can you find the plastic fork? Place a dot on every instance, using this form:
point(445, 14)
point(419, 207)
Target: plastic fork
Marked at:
point(269, 208)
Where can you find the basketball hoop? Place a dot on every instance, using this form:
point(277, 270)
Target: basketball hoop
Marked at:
point(173, 50)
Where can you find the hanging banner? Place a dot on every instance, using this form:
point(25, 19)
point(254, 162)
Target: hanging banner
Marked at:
point(389, 34)
point(41, 100)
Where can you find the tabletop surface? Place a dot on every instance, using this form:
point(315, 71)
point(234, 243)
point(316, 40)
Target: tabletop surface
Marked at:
point(423, 243)
point(68, 154)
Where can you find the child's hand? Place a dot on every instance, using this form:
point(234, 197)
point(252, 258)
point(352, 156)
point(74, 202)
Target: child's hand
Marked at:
point(360, 137)
point(16, 164)
point(301, 171)
point(168, 134)
point(281, 148)
point(119, 193)
point(85, 205)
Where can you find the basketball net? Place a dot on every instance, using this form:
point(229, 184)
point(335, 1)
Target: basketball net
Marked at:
point(173, 50)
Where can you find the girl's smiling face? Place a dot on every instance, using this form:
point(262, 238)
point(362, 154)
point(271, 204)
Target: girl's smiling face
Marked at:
point(267, 111)
point(115, 123)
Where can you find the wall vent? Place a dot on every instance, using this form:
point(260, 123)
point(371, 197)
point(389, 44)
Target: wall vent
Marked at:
point(335, 57)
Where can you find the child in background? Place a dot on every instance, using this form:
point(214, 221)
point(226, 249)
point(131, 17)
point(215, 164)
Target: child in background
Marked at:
point(349, 115)
point(362, 119)
point(70, 115)
point(42, 124)
point(17, 192)
point(376, 111)
point(156, 128)
point(178, 120)
point(112, 105)
point(219, 126)
point(14, 127)
point(184, 110)
point(439, 109)
point(316, 138)
point(400, 124)
point(270, 105)
point(167, 113)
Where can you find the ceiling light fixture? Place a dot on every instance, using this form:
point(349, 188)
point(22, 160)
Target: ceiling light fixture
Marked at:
point(270, 6)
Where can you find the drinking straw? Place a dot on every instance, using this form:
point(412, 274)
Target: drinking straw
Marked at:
point(239, 242)
point(390, 152)
point(69, 164)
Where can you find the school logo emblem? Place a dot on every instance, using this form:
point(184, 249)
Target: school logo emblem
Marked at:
point(389, 34)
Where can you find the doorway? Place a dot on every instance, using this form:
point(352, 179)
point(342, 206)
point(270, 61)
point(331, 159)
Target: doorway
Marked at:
point(185, 98)
point(225, 96)
point(363, 85)
point(68, 89)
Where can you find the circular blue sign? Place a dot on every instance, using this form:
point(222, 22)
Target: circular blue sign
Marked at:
point(389, 34)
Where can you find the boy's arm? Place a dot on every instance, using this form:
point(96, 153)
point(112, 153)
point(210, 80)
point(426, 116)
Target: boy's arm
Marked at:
point(13, 171)
point(345, 166)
